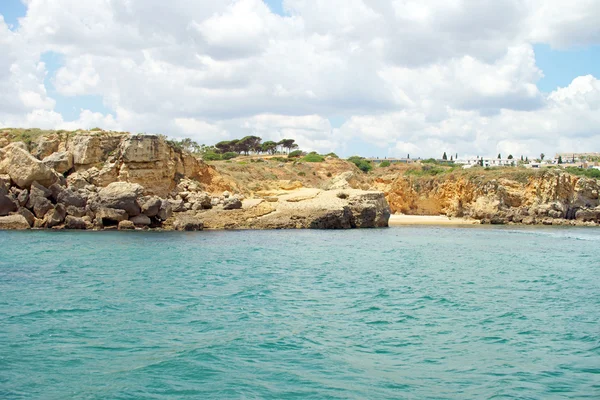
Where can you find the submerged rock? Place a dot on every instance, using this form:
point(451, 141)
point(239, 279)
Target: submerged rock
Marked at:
point(186, 223)
point(126, 225)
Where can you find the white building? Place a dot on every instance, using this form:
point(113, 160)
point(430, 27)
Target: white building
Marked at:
point(487, 162)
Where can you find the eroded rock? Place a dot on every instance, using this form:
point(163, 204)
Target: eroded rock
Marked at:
point(122, 196)
point(13, 222)
point(24, 169)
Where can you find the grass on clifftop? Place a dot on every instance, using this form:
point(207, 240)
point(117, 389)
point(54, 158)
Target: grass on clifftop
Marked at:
point(588, 173)
point(31, 135)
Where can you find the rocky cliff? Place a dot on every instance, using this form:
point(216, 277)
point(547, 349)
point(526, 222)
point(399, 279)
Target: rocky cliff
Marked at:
point(100, 180)
point(551, 197)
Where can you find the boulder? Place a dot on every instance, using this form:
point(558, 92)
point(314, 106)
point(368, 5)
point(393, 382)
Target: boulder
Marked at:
point(232, 203)
point(45, 146)
point(92, 148)
point(141, 220)
point(151, 207)
point(341, 181)
point(185, 223)
point(23, 197)
point(56, 216)
point(78, 180)
point(5, 181)
point(588, 215)
point(27, 214)
point(178, 205)
point(165, 212)
point(39, 205)
point(122, 196)
point(72, 222)
point(111, 216)
point(61, 161)
point(13, 222)
point(24, 169)
point(126, 225)
point(76, 211)
point(38, 190)
point(201, 201)
point(7, 204)
point(70, 198)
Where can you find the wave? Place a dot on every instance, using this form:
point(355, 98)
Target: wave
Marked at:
point(558, 233)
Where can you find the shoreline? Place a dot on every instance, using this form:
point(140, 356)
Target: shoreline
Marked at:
point(406, 220)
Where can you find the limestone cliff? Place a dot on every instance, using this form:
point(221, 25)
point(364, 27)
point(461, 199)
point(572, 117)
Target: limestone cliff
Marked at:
point(548, 197)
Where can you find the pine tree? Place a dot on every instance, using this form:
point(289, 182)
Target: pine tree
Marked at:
point(560, 161)
point(444, 157)
point(499, 156)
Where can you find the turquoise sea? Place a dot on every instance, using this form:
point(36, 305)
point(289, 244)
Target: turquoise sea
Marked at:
point(415, 313)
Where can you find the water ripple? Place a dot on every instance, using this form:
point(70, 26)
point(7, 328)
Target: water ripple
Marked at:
point(423, 313)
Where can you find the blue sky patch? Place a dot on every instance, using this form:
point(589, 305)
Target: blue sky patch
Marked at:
point(560, 67)
point(276, 6)
point(11, 10)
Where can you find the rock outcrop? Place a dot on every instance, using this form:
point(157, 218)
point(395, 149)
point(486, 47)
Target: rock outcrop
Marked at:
point(301, 209)
point(13, 222)
point(550, 197)
point(23, 168)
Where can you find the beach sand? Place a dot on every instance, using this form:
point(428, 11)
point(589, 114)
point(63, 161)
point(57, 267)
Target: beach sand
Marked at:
point(400, 220)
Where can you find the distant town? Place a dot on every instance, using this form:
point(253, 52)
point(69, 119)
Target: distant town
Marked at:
point(579, 160)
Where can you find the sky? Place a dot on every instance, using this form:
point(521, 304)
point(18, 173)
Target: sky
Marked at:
point(378, 78)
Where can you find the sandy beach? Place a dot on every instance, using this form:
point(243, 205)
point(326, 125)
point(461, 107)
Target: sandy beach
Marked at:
point(399, 220)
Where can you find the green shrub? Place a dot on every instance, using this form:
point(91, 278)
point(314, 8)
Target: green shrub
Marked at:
point(301, 173)
point(295, 154)
point(385, 164)
point(331, 155)
point(362, 164)
point(313, 157)
point(211, 156)
point(229, 155)
point(588, 173)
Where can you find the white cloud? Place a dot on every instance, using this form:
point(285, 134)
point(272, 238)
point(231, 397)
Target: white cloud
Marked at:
point(409, 75)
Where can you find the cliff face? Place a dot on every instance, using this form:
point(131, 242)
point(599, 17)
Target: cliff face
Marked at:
point(549, 197)
point(104, 158)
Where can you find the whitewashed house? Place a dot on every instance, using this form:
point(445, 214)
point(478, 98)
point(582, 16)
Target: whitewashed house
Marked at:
point(487, 162)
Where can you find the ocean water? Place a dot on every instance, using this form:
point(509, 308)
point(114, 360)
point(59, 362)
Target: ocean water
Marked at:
point(414, 312)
